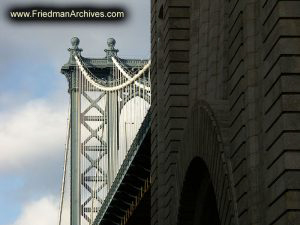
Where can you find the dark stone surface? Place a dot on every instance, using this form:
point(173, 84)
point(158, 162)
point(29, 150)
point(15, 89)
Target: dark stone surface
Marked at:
point(225, 90)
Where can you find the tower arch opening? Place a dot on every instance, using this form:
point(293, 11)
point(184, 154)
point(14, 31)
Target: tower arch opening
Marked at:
point(198, 204)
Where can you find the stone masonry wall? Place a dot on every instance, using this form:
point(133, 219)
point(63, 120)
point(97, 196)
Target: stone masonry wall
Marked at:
point(235, 66)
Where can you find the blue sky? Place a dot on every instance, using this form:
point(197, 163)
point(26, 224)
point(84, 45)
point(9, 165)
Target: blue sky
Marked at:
point(34, 102)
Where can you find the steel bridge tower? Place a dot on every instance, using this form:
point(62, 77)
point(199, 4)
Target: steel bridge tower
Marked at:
point(109, 99)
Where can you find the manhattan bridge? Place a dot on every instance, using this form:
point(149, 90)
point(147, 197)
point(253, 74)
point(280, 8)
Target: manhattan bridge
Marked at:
point(106, 178)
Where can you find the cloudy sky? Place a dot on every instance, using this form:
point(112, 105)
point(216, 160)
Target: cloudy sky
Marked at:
point(34, 101)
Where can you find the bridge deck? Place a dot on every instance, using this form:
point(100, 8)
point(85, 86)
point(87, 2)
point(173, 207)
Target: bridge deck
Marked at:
point(128, 201)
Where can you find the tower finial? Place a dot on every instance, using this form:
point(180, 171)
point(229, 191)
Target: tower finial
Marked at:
point(111, 51)
point(75, 42)
point(75, 49)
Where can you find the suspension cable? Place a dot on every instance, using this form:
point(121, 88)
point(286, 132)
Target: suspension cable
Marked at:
point(118, 65)
point(65, 166)
point(114, 88)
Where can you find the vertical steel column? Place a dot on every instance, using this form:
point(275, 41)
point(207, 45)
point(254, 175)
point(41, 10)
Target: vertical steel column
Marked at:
point(113, 129)
point(75, 150)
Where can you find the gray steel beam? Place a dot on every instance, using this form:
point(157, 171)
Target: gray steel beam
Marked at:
point(112, 136)
point(75, 150)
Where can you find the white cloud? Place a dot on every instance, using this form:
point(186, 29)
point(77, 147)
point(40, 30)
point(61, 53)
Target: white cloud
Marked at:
point(32, 135)
point(41, 212)
point(32, 132)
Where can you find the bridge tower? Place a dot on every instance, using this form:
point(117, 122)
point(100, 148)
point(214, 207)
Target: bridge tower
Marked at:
point(109, 99)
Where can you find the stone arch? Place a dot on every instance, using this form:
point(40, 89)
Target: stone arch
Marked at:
point(198, 201)
point(201, 157)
